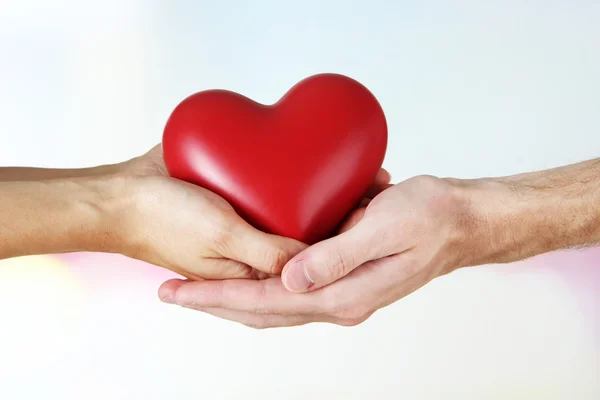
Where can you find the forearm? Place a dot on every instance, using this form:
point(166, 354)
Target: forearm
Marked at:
point(59, 216)
point(525, 215)
point(13, 174)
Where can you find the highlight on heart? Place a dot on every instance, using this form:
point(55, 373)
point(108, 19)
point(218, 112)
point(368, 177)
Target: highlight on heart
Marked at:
point(295, 168)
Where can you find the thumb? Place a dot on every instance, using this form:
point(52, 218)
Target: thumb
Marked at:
point(332, 259)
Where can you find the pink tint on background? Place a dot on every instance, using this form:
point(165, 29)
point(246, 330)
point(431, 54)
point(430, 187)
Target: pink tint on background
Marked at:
point(123, 333)
point(101, 273)
point(579, 269)
point(106, 266)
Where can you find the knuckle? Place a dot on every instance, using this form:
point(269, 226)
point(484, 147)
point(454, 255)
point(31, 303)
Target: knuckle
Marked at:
point(274, 260)
point(258, 306)
point(221, 236)
point(337, 266)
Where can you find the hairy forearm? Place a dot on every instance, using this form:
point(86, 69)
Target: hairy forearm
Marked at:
point(517, 217)
point(60, 215)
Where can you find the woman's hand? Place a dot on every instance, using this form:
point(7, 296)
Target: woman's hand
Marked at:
point(136, 209)
point(194, 232)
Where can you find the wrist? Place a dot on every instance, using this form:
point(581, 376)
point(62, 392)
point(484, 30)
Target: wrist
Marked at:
point(63, 215)
point(108, 203)
point(94, 215)
point(492, 223)
point(123, 196)
point(513, 218)
point(498, 224)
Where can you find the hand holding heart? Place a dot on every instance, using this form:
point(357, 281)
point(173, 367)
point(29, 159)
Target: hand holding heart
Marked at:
point(193, 231)
point(252, 186)
point(254, 182)
point(404, 238)
point(295, 168)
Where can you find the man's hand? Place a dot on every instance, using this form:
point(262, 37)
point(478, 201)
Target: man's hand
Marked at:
point(405, 237)
point(408, 235)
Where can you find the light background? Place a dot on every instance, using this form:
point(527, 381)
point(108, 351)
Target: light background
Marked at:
point(470, 89)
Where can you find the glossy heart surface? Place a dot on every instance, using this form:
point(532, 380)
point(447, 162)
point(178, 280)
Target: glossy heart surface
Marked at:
point(295, 168)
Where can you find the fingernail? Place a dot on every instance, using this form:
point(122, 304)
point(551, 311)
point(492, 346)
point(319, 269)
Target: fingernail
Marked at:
point(168, 299)
point(297, 278)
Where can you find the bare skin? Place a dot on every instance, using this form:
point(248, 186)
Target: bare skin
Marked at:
point(135, 209)
point(406, 236)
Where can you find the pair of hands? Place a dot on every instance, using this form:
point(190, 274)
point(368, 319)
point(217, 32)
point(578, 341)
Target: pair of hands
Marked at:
point(400, 238)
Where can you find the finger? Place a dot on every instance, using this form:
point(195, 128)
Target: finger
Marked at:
point(260, 297)
point(347, 301)
point(330, 260)
point(381, 182)
point(352, 220)
point(166, 291)
point(217, 268)
point(223, 268)
point(383, 177)
point(376, 189)
point(185, 274)
point(264, 252)
point(257, 321)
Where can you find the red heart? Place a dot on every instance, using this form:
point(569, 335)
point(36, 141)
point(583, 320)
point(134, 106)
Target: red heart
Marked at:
point(295, 168)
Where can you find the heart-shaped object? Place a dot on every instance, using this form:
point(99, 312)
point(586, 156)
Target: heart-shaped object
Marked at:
point(295, 168)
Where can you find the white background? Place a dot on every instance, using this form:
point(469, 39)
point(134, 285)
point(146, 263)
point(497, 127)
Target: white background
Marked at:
point(470, 89)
